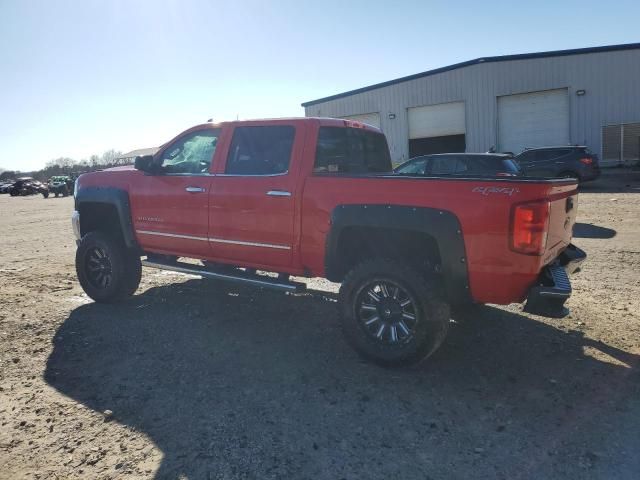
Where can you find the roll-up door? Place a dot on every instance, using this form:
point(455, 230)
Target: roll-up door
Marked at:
point(535, 119)
point(436, 129)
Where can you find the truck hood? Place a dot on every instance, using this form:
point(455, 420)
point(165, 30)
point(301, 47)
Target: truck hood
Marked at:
point(118, 169)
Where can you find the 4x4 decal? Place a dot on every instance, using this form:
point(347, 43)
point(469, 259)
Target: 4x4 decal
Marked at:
point(504, 190)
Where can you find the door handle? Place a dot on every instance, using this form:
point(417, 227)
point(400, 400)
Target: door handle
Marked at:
point(195, 189)
point(278, 193)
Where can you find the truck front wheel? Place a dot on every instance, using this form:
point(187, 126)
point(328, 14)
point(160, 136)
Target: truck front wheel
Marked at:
point(106, 269)
point(391, 314)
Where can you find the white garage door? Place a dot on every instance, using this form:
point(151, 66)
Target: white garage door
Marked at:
point(533, 119)
point(368, 118)
point(436, 120)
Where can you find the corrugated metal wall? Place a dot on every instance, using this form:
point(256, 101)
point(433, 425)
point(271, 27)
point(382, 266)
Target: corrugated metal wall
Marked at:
point(611, 81)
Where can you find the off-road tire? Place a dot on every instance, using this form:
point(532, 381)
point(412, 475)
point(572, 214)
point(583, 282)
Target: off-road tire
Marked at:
point(134, 272)
point(45, 194)
point(115, 261)
point(428, 304)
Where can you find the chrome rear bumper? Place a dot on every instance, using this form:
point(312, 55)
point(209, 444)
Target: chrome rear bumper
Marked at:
point(553, 288)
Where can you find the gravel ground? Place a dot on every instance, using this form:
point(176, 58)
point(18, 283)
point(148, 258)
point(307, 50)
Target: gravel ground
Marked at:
point(194, 379)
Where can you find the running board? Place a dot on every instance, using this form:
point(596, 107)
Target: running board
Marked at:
point(240, 277)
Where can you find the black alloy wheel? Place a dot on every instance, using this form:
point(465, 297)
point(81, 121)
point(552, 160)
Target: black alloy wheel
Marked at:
point(98, 268)
point(387, 312)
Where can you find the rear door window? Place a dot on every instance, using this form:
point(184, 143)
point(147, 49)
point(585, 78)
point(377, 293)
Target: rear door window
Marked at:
point(351, 150)
point(260, 150)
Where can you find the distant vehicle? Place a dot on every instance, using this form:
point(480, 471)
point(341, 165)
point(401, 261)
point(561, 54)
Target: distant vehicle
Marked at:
point(61, 185)
point(461, 164)
point(28, 186)
point(560, 162)
point(6, 186)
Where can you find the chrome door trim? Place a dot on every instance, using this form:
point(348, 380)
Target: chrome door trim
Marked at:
point(214, 240)
point(249, 244)
point(172, 235)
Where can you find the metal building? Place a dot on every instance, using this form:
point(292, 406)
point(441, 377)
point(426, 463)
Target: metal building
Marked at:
point(588, 96)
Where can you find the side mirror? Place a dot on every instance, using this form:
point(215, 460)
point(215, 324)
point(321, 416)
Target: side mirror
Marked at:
point(144, 163)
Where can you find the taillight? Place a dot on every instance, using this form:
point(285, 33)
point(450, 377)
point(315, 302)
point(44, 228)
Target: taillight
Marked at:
point(529, 227)
point(586, 160)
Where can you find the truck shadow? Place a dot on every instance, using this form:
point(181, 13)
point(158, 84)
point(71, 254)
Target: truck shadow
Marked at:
point(588, 230)
point(231, 382)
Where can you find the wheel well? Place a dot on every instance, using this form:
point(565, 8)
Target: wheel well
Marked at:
point(101, 217)
point(357, 244)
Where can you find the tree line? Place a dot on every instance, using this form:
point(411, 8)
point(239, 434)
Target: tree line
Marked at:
point(69, 166)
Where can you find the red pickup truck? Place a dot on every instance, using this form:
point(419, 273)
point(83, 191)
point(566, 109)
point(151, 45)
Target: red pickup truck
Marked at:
point(259, 201)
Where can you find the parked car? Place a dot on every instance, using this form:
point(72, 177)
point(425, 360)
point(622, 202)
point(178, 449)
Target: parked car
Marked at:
point(317, 198)
point(560, 162)
point(6, 186)
point(28, 186)
point(61, 185)
point(465, 164)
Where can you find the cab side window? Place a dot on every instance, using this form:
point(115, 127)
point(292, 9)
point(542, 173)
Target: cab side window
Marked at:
point(260, 150)
point(191, 154)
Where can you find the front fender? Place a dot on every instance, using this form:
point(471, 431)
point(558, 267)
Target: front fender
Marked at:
point(115, 197)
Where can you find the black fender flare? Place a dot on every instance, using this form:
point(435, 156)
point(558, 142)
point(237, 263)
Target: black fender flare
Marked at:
point(115, 197)
point(441, 225)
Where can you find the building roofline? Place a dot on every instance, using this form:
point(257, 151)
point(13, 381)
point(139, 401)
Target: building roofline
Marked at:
point(500, 58)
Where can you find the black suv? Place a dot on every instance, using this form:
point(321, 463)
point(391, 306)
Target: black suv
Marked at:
point(567, 161)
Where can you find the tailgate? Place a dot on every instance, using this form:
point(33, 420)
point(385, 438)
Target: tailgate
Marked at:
point(562, 216)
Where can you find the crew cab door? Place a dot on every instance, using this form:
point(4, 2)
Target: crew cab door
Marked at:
point(253, 200)
point(170, 203)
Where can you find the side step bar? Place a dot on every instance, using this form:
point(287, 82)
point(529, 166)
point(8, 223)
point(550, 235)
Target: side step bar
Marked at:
point(239, 277)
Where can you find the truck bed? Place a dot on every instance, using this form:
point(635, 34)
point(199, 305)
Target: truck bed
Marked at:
point(483, 207)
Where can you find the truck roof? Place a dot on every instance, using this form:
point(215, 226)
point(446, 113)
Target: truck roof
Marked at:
point(325, 121)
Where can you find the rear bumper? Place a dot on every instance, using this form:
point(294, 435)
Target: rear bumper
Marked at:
point(553, 287)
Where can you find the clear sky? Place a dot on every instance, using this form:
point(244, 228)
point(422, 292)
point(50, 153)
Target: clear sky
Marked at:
point(80, 77)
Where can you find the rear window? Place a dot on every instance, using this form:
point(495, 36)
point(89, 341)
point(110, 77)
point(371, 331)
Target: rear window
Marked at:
point(351, 150)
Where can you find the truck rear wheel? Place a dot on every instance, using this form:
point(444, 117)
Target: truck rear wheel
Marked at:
point(106, 269)
point(391, 314)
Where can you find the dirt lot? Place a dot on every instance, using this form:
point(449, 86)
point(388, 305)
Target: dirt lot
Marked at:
point(206, 380)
